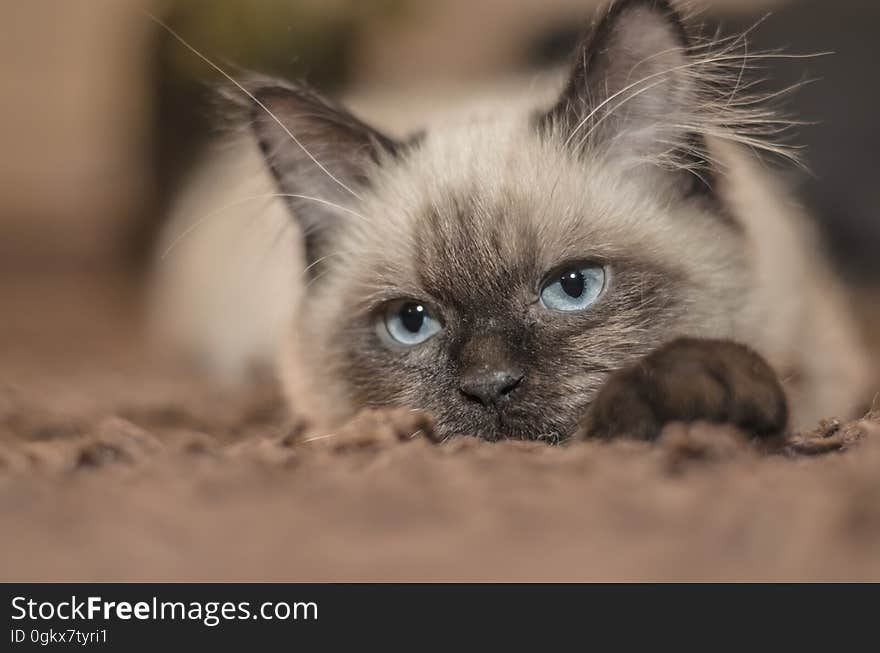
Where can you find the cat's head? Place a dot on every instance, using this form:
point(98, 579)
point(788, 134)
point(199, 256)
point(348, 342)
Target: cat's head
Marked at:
point(493, 272)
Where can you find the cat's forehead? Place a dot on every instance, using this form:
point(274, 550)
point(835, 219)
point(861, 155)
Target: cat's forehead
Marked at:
point(484, 204)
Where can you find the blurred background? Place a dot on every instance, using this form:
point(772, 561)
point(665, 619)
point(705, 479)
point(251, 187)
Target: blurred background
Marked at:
point(105, 114)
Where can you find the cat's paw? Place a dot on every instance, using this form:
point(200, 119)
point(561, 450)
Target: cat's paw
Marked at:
point(689, 380)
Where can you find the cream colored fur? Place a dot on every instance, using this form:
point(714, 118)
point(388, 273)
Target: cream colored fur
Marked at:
point(232, 288)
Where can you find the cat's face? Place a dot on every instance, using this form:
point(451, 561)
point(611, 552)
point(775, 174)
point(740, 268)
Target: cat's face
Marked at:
point(494, 272)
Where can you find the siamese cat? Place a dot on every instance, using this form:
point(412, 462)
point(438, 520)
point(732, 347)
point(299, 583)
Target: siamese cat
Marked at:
point(596, 264)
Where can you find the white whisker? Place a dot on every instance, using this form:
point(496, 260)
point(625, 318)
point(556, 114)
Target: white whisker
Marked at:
point(616, 107)
point(252, 97)
point(318, 261)
point(683, 67)
point(742, 71)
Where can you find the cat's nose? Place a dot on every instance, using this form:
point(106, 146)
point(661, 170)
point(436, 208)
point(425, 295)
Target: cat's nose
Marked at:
point(489, 388)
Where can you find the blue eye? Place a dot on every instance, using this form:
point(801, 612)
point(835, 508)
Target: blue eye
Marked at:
point(575, 289)
point(410, 323)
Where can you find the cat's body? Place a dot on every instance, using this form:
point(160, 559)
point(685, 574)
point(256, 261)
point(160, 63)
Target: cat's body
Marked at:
point(497, 270)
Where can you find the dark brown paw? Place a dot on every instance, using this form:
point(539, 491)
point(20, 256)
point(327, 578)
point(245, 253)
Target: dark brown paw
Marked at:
point(689, 380)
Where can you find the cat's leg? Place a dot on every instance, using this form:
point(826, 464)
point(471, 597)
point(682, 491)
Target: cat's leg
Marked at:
point(689, 380)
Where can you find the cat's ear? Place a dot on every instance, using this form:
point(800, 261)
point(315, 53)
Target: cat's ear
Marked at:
point(320, 156)
point(632, 91)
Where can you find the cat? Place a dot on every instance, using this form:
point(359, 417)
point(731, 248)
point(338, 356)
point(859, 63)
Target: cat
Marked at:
point(594, 266)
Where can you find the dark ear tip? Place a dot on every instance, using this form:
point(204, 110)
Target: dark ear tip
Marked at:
point(665, 7)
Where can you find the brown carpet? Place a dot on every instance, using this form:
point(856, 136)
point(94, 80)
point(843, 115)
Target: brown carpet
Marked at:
point(117, 463)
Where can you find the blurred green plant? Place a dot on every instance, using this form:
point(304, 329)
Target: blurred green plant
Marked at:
point(293, 38)
point(297, 39)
